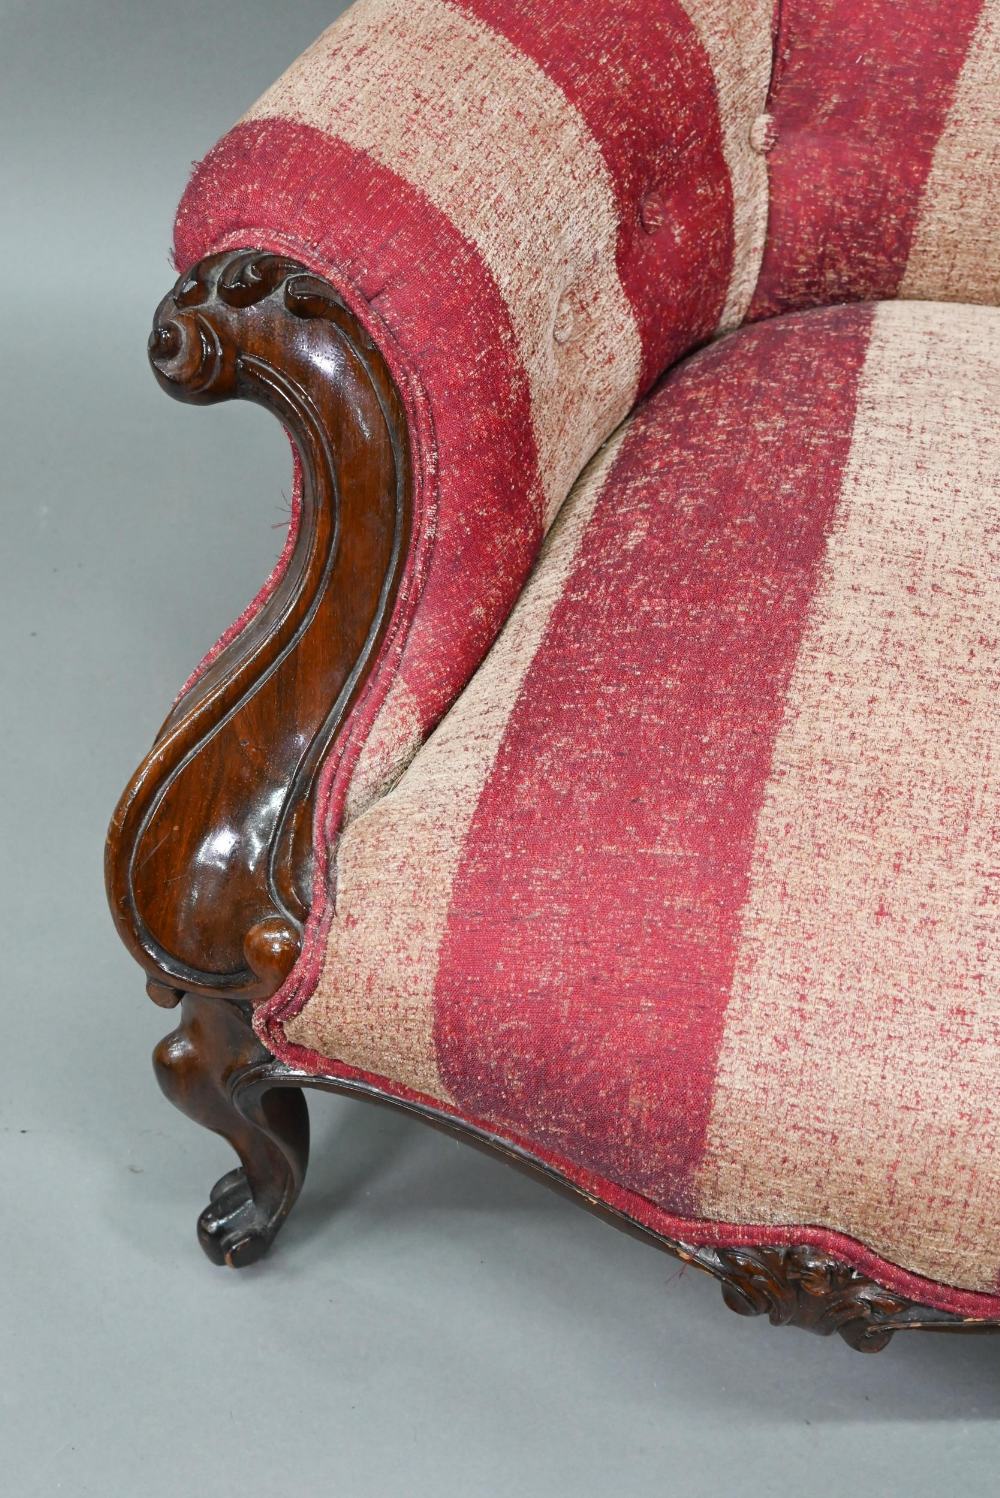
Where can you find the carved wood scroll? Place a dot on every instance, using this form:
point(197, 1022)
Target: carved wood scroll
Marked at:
point(801, 1286)
point(209, 860)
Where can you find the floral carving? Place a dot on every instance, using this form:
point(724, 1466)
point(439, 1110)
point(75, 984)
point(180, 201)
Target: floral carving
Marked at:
point(802, 1287)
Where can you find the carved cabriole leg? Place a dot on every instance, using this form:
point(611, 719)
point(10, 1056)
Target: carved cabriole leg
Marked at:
point(217, 1072)
point(199, 1066)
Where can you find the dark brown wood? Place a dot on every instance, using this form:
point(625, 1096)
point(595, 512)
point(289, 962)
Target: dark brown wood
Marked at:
point(209, 861)
point(199, 1066)
point(801, 1286)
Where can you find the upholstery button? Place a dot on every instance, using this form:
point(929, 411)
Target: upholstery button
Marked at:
point(763, 134)
point(653, 212)
point(562, 328)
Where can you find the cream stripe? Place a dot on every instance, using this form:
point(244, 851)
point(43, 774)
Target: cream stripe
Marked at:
point(478, 127)
point(857, 1084)
point(393, 740)
point(397, 864)
point(737, 39)
point(956, 248)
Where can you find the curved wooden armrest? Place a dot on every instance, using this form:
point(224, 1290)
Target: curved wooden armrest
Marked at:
point(209, 857)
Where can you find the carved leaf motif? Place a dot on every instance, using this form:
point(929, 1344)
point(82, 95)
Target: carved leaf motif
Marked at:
point(801, 1286)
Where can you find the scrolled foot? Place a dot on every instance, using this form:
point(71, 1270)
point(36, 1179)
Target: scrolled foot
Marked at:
point(202, 1068)
point(233, 1230)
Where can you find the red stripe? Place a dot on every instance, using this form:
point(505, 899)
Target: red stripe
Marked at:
point(859, 97)
point(588, 958)
point(362, 225)
point(642, 81)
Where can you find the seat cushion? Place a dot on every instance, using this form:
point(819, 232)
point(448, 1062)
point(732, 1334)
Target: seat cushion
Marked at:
point(694, 891)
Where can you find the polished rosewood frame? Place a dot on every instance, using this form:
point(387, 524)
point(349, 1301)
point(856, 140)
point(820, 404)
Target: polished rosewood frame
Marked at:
point(210, 855)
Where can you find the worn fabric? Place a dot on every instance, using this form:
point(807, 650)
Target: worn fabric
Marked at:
point(884, 153)
point(695, 888)
point(535, 209)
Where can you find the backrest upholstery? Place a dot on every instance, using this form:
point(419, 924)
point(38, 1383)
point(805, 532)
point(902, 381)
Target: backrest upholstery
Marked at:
point(885, 153)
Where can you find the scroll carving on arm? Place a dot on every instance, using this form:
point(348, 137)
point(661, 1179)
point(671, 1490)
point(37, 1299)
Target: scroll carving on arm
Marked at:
point(210, 857)
point(210, 850)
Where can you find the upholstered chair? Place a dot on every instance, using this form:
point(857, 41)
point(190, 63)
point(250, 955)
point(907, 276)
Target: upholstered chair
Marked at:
point(608, 772)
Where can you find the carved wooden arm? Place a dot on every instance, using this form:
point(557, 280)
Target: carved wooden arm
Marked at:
point(209, 858)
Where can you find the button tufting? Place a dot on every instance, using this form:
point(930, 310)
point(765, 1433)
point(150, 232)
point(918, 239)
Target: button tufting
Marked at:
point(653, 212)
point(763, 134)
point(562, 328)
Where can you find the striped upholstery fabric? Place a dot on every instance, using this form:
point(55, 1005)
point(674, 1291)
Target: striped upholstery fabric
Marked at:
point(689, 890)
point(536, 209)
point(695, 888)
point(885, 153)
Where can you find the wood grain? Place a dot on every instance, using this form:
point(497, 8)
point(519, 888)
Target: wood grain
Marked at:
point(210, 857)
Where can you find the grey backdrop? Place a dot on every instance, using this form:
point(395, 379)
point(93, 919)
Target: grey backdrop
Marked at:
point(431, 1322)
